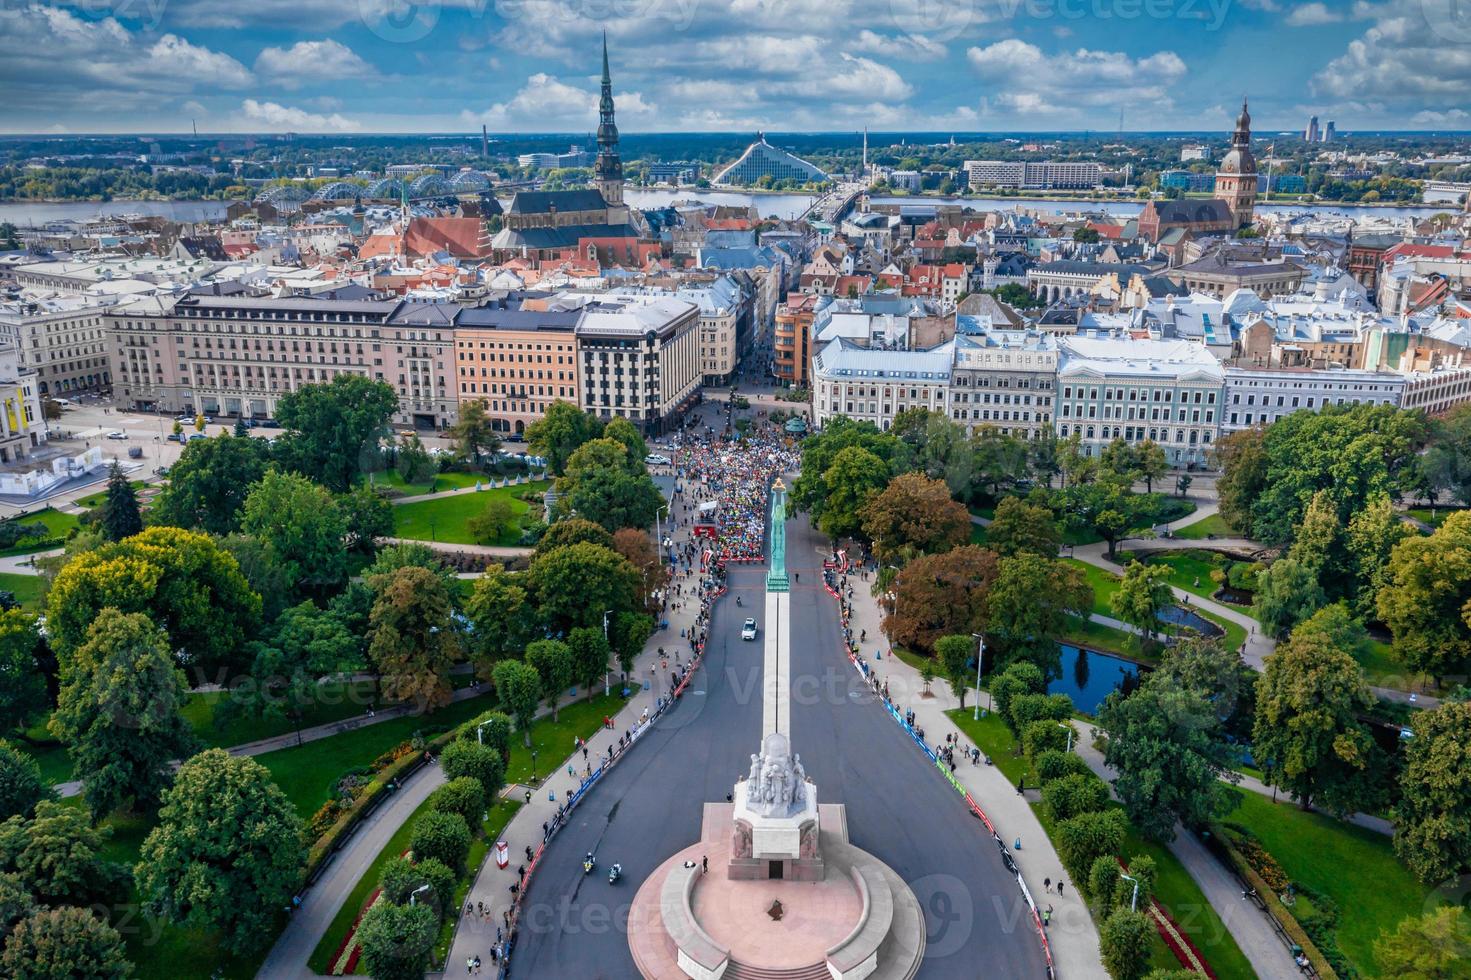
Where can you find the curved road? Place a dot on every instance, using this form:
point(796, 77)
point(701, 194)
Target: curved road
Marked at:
point(899, 808)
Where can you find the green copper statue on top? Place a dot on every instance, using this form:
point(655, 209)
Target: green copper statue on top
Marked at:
point(776, 579)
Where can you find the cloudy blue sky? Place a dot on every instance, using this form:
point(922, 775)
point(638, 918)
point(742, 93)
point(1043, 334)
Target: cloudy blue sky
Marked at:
point(531, 65)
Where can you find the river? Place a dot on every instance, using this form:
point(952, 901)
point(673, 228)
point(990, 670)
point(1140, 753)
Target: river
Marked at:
point(26, 213)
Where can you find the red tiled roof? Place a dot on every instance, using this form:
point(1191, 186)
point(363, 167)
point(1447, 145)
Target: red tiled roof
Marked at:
point(459, 237)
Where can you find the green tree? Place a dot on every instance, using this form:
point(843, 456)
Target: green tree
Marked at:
point(367, 515)
point(1074, 794)
point(209, 481)
point(119, 711)
point(1216, 674)
point(1150, 463)
point(557, 434)
point(940, 594)
point(413, 641)
point(554, 666)
point(1243, 461)
point(810, 490)
point(472, 433)
point(1019, 679)
point(21, 785)
point(955, 654)
point(1030, 606)
point(22, 684)
point(630, 631)
point(499, 615)
point(1166, 747)
point(412, 461)
point(1447, 463)
point(590, 651)
point(1023, 527)
point(444, 837)
point(333, 430)
point(227, 853)
point(623, 431)
point(601, 485)
point(396, 940)
point(402, 879)
point(184, 580)
point(306, 644)
point(1370, 541)
point(1108, 508)
point(485, 764)
point(301, 526)
point(574, 530)
point(1103, 878)
point(1087, 837)
point(1124, 940)
point(1432, 833)
point(64, 944)
point(462, 795)
point(913, 515)
point(1307, 718)
point(119, 515)
point(1142, 593)
point(488, 526)
point(1433, 946)
point(56, 853)
point(1426, 599)
point(574, 585)
point(1287, 593)
point(518, 686)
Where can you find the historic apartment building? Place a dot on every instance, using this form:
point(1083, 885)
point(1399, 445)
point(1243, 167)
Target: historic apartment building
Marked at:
point(61, 339)
point(1005, 379)
point(639, 358)
point(516, 362)
point(239, 355)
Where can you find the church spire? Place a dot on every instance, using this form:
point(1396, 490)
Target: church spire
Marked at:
point(608, 170)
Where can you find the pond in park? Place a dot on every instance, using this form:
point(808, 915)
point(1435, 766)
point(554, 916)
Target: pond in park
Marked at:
point(1089, 676)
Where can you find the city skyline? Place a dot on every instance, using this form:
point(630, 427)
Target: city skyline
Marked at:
point(381, 66)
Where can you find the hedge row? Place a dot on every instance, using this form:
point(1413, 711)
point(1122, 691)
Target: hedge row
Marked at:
point(1280, 912)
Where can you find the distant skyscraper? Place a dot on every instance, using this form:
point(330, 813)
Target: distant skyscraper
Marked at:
point(608, 170)
point(1331, 133)
point(1311, 133)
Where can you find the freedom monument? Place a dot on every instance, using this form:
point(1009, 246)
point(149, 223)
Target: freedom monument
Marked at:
point(773, 890)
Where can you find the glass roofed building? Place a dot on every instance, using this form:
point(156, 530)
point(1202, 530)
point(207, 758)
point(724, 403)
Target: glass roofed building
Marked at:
point(761, 159)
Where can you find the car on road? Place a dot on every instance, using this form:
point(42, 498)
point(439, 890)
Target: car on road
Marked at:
point(748, 631)
point(657, 459)
point(135, 452)
point(117, 434)
point(176, 437)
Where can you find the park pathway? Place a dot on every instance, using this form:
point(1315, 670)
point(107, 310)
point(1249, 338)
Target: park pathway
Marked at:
point(1072, 932)
point(1250, 926)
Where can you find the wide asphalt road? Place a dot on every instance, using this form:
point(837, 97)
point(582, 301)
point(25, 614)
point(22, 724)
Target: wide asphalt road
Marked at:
point(898, 808)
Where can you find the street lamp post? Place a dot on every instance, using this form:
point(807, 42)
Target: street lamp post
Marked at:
point(1069, 735)
point(533, 764)
point(1133, 899)
point(414, 895)
point(606, 614)
point(980, 659)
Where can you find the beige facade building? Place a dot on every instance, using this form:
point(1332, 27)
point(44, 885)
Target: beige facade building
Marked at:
point(22, 425)
point(62, 339)
point(516, 363)
point(239, 356)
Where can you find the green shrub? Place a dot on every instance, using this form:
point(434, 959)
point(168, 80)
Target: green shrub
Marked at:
point(1027, 708)
point(1143, 871)
point(1087, 837)
point(445, 837)
point(1055, 764)
point(1043, 736)
point(462, 795)
point(483, 763)
point(1016, 680)
point(1074, 795)
point(402, 878)
point(1102, 878)
point(1124, 940)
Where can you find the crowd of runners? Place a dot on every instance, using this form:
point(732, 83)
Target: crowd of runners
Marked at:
point(734, 475)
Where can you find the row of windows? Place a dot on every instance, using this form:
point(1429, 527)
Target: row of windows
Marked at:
point(1135, 412)
point(1136, 394)
point(1132, 433)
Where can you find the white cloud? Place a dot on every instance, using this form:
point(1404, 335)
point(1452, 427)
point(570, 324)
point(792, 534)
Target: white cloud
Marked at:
point(1312, 15)
point(547, 103)
point(1036, 82)
point(311, 61)
point(1400, 59)
point(1444, 119)
point(274, 116)
point(913, 47)
point(851, 79)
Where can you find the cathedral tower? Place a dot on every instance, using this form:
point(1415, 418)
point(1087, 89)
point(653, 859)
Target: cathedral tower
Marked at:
point(608, 170)
point(1236, 179)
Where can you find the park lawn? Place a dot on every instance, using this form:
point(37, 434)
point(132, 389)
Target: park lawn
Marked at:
point(1355, 867)
point(1435, 517)
point(1384, 669)
point(1189, 570)
point(58, 524)
point(977, 534)
point(1176, 890)
point(441, 482)
point(1097, 636)
point(444, 519)
point(93, 499)
point(335, 701)
point(1215, 524)
point(1104, 584)
point(28, 590)
point(553, 741)
point(307, 773)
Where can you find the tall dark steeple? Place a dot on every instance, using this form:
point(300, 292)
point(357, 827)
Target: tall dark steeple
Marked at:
point(608, 171)
point(1236, 177)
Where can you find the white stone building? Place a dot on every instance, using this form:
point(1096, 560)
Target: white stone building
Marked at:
point(875, 385)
